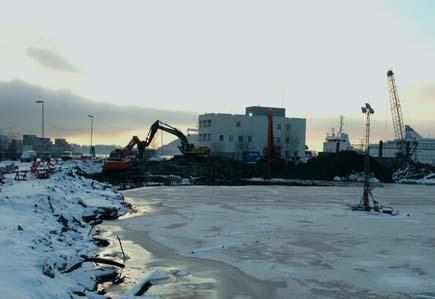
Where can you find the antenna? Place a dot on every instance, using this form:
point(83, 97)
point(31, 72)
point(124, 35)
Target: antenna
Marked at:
point(341, 126)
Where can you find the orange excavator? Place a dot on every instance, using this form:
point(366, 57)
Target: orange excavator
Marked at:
point(120, 159)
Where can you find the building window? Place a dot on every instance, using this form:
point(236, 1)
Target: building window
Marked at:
point(287, 140)
point(231, 138)
point(208, 137)
point(287, 127)
point(209, 123)
point(278, 140)
point(249, 139)
point(240, 139)
point(278, 126)
point(221, 138)
point(238, 124)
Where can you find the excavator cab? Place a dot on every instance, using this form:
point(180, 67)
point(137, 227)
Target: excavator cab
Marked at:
point(191, 149)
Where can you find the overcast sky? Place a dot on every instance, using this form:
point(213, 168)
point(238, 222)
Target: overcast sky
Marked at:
point(174, 59)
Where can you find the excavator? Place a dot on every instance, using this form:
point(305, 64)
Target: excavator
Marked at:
point(120, 159)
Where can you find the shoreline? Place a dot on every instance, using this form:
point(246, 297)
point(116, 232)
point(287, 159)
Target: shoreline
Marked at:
point(228, 280)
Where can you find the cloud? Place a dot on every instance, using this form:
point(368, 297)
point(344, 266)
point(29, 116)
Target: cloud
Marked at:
point(66, 114)
point(51, 60)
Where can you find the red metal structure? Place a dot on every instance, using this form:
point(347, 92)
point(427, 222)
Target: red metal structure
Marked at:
point(269, 149)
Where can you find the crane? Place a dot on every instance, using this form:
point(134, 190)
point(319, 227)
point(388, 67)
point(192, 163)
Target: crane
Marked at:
point(405, 148)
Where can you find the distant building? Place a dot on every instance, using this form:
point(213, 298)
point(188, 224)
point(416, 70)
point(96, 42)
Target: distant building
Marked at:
point(425, 151)
point(245, 136)
point(30, 140)
point(4, 145)
point(4, 142)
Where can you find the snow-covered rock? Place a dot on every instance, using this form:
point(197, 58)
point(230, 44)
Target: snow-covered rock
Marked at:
point(43, 232)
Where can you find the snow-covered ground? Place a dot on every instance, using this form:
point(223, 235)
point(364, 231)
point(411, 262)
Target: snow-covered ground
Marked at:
point(281, 242)
point(42, 230)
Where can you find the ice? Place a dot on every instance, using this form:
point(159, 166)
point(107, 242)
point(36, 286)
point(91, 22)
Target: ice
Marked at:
point(302, 237)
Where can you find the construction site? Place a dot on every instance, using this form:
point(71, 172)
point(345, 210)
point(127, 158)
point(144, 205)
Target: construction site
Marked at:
point(217, 149)
point(231, 149)
point(242, 210)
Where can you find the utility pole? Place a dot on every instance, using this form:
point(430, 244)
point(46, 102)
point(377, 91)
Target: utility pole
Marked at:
point(92, 148)
point(43, 133)
point(92, 126)
point(42, 102)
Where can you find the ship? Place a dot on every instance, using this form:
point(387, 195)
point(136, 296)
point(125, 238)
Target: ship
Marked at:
point(337, 142)
point(424, 151)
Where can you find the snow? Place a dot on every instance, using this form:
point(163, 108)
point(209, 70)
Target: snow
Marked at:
point(33, 239)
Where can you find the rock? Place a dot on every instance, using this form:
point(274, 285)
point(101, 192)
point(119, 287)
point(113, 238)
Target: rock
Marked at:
point(47, 269)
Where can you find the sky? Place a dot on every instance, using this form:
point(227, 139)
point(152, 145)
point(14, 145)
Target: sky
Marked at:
point(131, 62)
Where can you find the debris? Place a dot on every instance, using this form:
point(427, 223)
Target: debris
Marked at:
point(122, 249)
point(47, 269)
point(50, 204)
point(97, 260)
point(142, 286)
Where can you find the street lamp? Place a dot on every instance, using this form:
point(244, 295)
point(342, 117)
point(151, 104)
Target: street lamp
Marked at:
point(92, 149)
point(43, 133)
point(42, 102)
point(367, 110)
point(92, 126)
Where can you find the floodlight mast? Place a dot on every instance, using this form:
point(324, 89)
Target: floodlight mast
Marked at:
point(364, 204)
point(367, 110)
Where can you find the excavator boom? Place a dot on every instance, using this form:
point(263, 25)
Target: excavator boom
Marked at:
point(120, 158)
point(186, 148)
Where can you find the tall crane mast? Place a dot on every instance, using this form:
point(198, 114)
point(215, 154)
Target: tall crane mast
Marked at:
point(396, 113)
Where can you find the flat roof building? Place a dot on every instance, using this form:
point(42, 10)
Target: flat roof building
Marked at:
point(245, 136)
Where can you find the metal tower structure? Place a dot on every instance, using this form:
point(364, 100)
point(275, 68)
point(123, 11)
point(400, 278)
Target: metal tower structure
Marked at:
point(396, 114)
point(364, 204)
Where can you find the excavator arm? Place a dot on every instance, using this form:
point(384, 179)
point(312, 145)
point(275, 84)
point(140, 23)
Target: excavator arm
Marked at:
point(159, 125)
point(186, 148)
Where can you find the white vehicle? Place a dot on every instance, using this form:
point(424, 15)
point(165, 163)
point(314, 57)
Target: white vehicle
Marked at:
point(67, 155)
point(28, 156)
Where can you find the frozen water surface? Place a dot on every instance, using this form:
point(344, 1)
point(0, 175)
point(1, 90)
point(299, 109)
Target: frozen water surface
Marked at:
point(281, 242)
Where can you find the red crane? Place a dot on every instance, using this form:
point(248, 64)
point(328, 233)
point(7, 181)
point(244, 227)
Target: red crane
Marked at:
point(269, 150)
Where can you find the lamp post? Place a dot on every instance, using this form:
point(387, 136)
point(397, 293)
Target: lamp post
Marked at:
point(42, 102)
point(92, 149)
point(92, 126)
point(43, 133)
point(367, 110)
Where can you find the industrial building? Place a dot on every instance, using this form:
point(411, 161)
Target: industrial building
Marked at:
point(424, 147)
point(244, 136)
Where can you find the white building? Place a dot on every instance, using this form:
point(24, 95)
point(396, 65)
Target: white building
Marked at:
point(245, 136)
point(425, 151)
